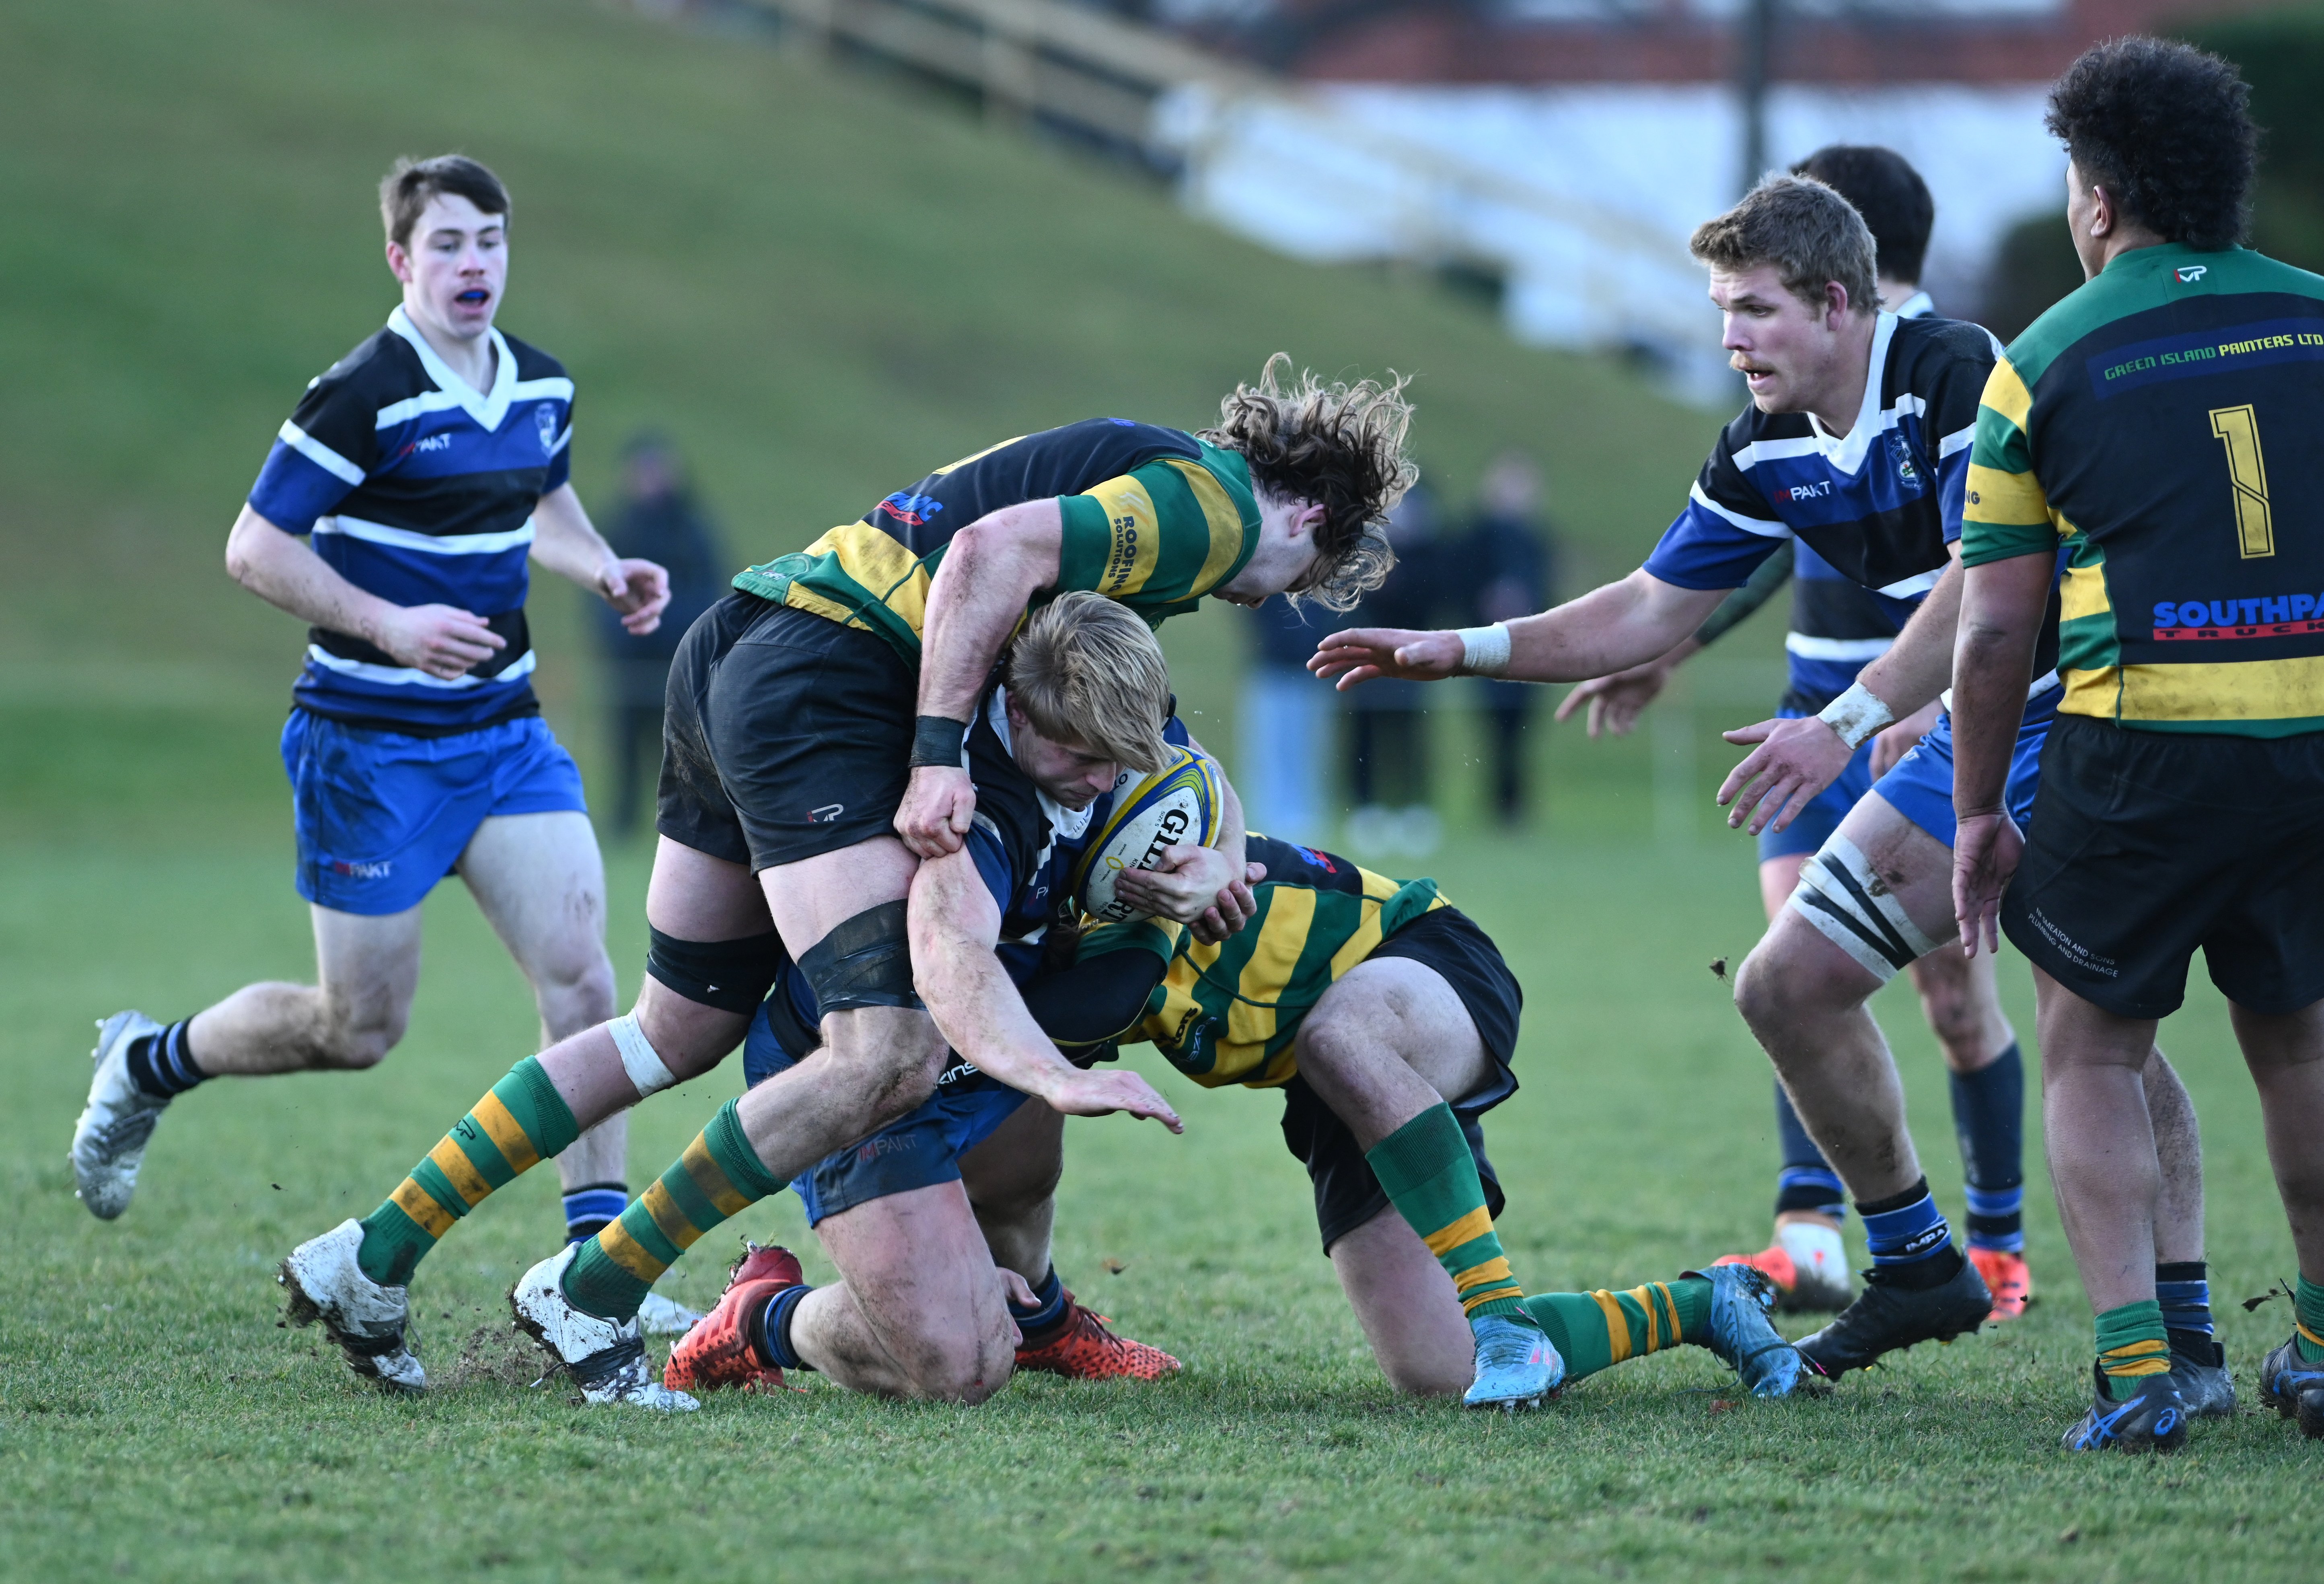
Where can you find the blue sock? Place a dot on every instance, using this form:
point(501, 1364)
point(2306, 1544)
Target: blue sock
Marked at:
point(1910, 1243)
point(2185, 1291)
point(164, 1064)
point(1989, 1117)
point(1807, 1182)
point(1048, 1305)
point(589, 1210)
point(772, 1333)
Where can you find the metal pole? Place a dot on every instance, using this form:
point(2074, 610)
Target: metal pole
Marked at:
point(1753, 49)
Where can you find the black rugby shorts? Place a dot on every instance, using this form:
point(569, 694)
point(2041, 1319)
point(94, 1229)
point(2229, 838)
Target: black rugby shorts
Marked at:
point(2147, 845)
point(1347, 1194)
point(784, 735)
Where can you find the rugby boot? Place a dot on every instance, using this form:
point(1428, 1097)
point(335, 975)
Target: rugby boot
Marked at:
point(2154, 1421)
point(1078, 1346)
point(109, 1142)
point(1740, 1296)
point(606, 1359)
point(1516, 1366)
point(1886, 1317)
point(2008, 1279)
point(364, 1320)
point(1809, 1266)
point(2200, 1366)
point(719, 1352)
point(2294, 1387)
point(666, 1316)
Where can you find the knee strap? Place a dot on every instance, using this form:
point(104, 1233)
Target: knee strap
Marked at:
point(647, 1072)
point(1852, 907)
point(732, 975)
point(864, 961)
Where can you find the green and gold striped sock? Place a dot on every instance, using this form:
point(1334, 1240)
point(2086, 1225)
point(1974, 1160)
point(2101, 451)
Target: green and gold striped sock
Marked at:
point(719, 1176)
point(2308, 1319)
point(1597, 1330)
point(2132, 1345)
point(1431, 1178)
point(518, 1124)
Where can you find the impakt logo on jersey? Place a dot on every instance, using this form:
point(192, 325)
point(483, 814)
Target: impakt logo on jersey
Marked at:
point(914, 510)
point(2279, 617)
point(434, 442)
point(1802, 491)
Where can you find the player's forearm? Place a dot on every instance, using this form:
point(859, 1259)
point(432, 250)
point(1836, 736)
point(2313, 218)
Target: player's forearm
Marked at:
point(989, 572)
point(2002, 604)
point(954, 925)
point(565, 542)
point(1609, 629)
point(283, 570)
point(1919, 665)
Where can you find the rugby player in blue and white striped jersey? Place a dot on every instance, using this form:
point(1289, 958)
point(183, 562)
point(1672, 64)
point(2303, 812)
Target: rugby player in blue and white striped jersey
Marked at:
point(1857, 445)
point(396, 514)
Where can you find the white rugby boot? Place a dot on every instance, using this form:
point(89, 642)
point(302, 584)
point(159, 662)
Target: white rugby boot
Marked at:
point(109, 1141)
point(365, 1318)
point(665, 1317)
point(606, 1361)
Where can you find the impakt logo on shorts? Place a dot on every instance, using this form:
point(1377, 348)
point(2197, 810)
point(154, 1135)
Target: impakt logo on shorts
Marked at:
point(355, 870)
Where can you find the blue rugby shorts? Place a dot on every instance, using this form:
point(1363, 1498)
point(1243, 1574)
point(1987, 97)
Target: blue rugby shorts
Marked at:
point(1920, 785)
point(1825, 810)
point(382, 817)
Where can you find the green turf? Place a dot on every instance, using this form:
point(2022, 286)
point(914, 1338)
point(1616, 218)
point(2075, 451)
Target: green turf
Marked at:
point(824, 287)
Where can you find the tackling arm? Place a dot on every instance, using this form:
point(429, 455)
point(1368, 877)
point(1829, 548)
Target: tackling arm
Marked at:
point(954, 924)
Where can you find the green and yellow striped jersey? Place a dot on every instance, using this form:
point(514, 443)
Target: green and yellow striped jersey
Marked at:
point(2165, 425)
point(1153, 517)
point(1229, 1014)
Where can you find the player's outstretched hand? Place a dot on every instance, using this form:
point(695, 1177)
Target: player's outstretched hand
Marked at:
point(442, 640)
point(1616, 701)
point(1794, 761)
point(1196, 886)
point(1101, 1094)
point(638, 590)
point(938, 804)
point(1987, 848)
point(1360, 653)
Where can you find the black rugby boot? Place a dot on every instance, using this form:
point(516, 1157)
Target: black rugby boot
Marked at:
point(1886, 1317)
point(2294, 1387)
point(2154, 1421)
point(2199, 1366)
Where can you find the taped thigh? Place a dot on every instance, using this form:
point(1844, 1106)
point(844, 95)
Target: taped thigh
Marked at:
point(864, 961)
point(1852, 907)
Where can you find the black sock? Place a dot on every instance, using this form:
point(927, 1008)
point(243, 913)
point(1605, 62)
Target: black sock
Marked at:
point(591, 1209)
point(771, 1331)
point(1049, 1304)
point(162, 1064)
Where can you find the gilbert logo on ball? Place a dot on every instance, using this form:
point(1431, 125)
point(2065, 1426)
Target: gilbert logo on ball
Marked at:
point(1148, 815)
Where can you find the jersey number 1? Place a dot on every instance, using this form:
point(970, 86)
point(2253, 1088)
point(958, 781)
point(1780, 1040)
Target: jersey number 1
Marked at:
point(2238, 429)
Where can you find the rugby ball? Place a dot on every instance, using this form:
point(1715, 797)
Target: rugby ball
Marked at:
point(1180, 802)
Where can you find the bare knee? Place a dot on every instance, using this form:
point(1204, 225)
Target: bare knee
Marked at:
point(351, 1039)
point(1777, 986)
point(891, 1076)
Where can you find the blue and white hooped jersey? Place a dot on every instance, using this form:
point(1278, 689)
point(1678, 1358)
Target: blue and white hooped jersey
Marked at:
point(1878, 505)
point(1838, 627)
point(420, 489)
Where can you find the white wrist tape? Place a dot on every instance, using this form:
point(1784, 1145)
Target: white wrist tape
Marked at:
point(640, 1059)
point(1485, 650)
point(1856, 715)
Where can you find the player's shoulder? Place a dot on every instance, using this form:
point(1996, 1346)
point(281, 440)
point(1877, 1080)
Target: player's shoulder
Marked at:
point(531, 362)
point(383, 366)
point(1747, 429)
point(1927, 350)
point(1098, 448)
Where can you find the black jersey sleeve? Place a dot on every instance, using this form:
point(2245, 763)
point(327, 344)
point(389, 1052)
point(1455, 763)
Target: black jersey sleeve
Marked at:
point(330, 444)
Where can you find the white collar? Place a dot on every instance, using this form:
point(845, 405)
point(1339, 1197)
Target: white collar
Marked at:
point(487, 407)
point(1918, 305)
point(1847, 452)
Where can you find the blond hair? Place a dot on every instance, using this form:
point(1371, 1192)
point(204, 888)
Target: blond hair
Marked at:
point(1812, 235)
point(1089, 671)
point(1339, 445)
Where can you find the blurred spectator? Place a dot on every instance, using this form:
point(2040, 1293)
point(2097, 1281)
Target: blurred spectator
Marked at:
point(659, 520)
point(1510, 562)
point(1390, 739)
point(1288, 717)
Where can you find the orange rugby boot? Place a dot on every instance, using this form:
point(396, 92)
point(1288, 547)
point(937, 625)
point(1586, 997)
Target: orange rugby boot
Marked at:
point(1079, 1347)
point(2008, 1279)
point(717, 1351)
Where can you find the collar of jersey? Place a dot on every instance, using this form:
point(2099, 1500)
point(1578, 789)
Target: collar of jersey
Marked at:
point(487, 407)
point(1919, 305)
point(1847, 452)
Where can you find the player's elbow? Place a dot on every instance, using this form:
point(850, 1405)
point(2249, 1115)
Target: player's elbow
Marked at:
point(248, 546)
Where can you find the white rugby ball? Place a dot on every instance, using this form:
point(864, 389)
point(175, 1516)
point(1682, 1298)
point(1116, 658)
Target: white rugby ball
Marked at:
point(1181, 803)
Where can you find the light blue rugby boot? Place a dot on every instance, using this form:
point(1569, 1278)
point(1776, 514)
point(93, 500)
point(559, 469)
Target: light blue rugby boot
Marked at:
point(1516, 1366)
point(1741, 1334)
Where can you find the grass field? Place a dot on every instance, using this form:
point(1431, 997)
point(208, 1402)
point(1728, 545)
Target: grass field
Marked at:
point(824, 286)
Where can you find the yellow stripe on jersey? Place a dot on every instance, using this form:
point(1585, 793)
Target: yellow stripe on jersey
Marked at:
point(2009, 499)
point(2244, 691)
point(1359, 945)
point(1136, 530)
point(2006, 393)
point(2083, 593)
point(883, 567)
point(1225, 523)
point(1290, 919)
